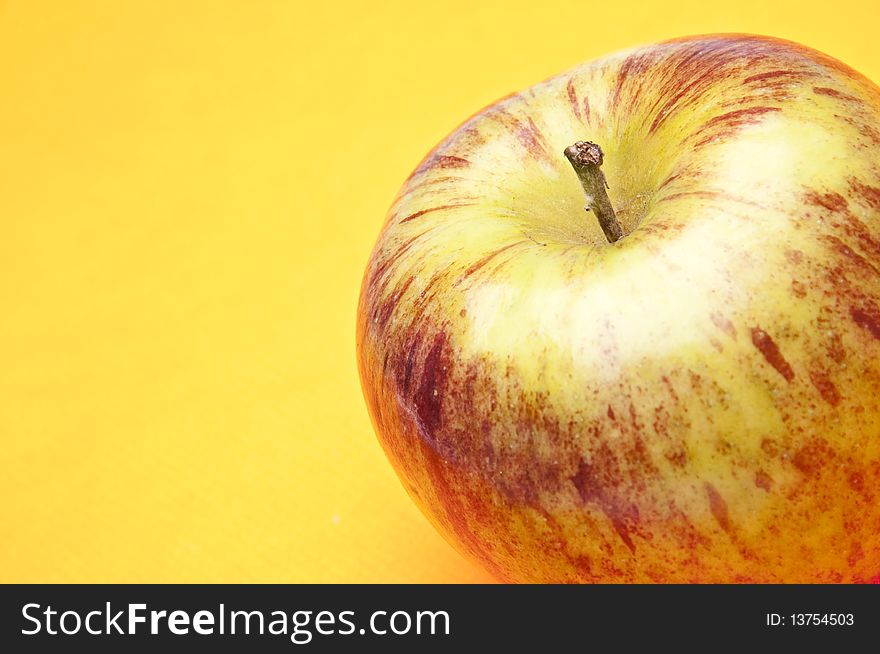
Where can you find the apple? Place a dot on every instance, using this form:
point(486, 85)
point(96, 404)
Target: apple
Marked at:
point(695, 400)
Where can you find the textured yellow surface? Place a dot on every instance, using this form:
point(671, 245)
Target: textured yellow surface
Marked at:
point(188, 195)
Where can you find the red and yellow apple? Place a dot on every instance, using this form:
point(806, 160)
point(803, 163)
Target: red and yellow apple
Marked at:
point(698, 401)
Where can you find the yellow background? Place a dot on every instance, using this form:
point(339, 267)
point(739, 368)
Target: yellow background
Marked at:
point(188, 194)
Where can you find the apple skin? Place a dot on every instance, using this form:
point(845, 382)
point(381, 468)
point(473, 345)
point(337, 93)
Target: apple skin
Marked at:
point(698, 402)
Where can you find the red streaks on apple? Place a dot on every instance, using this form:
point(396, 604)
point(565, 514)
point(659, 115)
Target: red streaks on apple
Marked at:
point(827, 390)
point(772, 74)
point(443, 207)
point(768, 348)
point(428, 398)
point(833, 93)
point(450, 161)
point(595, 485)
point(763, 481)
point(474, 267)
point(726, 125)
point(868, 318)
point(870, 194)
point(718, 507)
point(573, 99)
point(813, 457)
point(831, 200)
point(723, 324)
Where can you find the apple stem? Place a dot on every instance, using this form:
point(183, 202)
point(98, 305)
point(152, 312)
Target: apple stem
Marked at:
point(586, 159)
